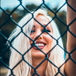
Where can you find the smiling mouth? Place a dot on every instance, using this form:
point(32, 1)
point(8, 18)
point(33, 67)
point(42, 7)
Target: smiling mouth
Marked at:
point(40, 45)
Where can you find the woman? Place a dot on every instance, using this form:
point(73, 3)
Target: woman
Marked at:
point(45, 47)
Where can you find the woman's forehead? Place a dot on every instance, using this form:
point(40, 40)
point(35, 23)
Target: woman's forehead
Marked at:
point(42, 19)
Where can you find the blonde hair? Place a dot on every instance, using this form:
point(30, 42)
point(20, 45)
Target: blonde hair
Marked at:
point(22, 44)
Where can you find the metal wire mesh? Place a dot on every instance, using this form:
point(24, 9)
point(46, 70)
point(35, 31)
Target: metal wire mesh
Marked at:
point(46, 56)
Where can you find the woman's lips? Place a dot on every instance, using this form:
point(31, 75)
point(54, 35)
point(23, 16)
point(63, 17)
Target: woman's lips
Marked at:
point(39, 44)
point(41, 47)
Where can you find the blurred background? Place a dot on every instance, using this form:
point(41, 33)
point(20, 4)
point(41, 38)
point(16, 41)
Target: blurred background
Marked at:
point(7, 28)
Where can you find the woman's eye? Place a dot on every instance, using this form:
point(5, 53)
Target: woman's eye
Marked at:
point(32, 31)
point(48, 30)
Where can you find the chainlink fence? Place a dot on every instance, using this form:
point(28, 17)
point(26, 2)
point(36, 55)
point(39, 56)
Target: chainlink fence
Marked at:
point(46, 57)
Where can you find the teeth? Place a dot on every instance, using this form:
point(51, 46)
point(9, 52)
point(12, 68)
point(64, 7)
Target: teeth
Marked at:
point(39, 44)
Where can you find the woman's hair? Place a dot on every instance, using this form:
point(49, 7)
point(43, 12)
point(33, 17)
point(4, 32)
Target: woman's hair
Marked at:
point(20, 44)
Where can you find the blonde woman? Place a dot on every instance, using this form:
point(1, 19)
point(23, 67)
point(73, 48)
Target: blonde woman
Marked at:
point(42, 46)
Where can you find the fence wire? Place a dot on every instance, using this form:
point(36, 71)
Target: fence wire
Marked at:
point(46, 56)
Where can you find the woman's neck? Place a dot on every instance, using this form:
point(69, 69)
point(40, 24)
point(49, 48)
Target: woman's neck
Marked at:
point(41, 69)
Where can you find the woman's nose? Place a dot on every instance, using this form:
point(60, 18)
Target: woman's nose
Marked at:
point(38, 35)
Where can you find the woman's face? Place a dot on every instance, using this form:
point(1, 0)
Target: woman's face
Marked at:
point(44, 41)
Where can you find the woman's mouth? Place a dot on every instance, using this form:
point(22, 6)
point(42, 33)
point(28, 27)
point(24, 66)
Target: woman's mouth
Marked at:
point(39, 44)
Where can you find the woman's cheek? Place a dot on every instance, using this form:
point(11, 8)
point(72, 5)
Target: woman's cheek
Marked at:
point(49, 38)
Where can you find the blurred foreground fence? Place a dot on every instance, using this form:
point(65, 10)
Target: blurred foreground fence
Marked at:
point(4, 51)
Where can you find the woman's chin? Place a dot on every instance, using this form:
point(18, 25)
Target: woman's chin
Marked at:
point(38, 55)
